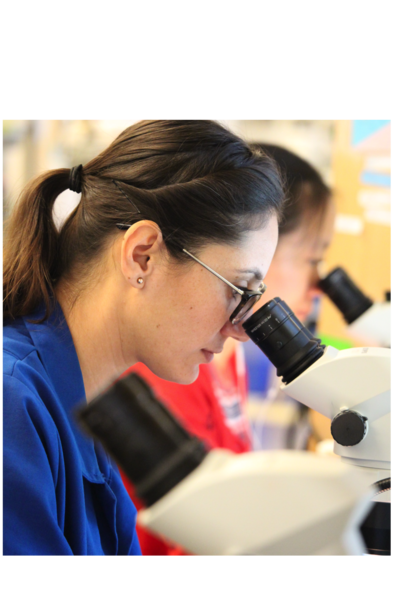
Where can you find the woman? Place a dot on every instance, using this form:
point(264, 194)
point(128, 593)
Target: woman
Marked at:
point(214, 406)
point(120, 283)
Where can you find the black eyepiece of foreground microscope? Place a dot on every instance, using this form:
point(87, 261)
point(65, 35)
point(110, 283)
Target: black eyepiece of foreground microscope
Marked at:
point(286, 342)
point(344, 293)
point(144, 438)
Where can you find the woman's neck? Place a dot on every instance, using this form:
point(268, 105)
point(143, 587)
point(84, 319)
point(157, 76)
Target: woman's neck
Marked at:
point(96, 329)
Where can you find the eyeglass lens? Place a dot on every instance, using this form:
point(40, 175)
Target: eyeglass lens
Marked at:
point(245, 309)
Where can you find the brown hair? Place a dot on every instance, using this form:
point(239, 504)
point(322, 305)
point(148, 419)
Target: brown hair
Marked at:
point(307, 196)
point(198, 181)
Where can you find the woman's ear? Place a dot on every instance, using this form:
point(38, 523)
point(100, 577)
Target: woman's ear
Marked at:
point(140, 248)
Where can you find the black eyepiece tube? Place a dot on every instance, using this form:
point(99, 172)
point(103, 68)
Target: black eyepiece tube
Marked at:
point(283, 338)
point(344, 293)
point(149, 444)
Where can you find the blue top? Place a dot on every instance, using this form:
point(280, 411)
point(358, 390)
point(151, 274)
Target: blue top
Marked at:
point(61, 493)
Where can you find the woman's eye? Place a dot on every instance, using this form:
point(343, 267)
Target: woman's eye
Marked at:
point(235, 297)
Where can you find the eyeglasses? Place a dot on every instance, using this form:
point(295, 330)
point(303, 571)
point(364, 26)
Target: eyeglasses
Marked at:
point(248, 297)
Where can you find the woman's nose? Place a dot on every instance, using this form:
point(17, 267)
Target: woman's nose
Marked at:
point(314, 290)
point(234, 331)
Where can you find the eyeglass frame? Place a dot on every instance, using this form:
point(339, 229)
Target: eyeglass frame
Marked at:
point(243, 292)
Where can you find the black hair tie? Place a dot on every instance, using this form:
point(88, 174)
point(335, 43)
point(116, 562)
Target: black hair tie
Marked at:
point(75, 179)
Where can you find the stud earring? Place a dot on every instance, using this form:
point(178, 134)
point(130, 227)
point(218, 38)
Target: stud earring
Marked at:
point(140, 280)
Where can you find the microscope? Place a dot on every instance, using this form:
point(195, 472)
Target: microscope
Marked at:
point(366, 319)
point(281, 502)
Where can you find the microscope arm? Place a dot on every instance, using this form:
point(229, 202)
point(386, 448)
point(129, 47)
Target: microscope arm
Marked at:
point(352, 388)
point(345, 378)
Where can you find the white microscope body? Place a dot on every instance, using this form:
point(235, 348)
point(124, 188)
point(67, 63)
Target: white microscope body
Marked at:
point(352, 383)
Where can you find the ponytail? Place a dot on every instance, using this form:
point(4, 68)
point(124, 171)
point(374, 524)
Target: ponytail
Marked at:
point(31, 244)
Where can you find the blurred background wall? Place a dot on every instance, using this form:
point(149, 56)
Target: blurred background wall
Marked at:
point(352, 156)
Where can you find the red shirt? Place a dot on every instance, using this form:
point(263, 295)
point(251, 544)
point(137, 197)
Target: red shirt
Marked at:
point(211, 408)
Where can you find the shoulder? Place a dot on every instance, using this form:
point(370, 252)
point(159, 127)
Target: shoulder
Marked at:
point(30, 435)
point(23, 411)
point(17, 344)
point(24, 374)
point(24, 383)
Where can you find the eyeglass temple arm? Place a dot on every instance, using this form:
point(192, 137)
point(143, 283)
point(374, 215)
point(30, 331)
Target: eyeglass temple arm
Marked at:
point(124, 226)
point(238, 290)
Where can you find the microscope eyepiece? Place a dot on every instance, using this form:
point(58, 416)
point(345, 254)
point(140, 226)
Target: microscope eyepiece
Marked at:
point(344, 293)
point(152, 448)
point(286, 342)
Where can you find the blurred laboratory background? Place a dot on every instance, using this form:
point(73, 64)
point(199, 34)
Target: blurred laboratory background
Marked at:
point(353, 157)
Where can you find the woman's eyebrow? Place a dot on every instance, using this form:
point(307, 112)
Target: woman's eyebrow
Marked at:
point(257, 274)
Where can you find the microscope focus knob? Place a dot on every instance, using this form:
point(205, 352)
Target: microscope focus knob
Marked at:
point(349, 428)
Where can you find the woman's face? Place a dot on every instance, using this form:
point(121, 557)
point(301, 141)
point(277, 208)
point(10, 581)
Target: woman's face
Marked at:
point(293, 273)
point(185, 309)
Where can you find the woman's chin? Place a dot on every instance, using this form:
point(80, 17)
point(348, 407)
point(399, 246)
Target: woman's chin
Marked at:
point(184, 377)
point(189, 377)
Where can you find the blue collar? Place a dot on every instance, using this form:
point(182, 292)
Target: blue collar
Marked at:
point(56, 349)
